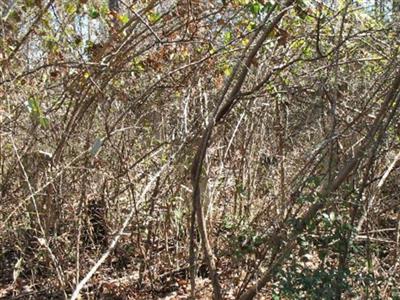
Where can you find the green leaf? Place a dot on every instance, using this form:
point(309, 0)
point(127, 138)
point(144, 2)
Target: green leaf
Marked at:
point(227, 70)
point(33, 106)
point(153, 17)
point(251, 26)
point(137, 65)
point(255, 8)
point(123, 19)
point(37, 113)
point(93, 13)
point(245, 41)
point(228, 37)
point(70, 8)
point(104, 10)
point(43, 121)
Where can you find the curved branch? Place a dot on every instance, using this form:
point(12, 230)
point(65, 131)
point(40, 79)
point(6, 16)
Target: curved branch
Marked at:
point(223, 107)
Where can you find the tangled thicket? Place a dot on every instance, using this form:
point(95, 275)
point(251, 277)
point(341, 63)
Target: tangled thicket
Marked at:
point(149, 145)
